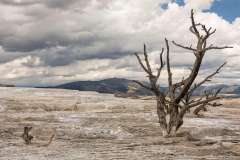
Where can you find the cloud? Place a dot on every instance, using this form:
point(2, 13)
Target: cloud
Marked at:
point(20, 2)
point(58, 41)
point(62, 4)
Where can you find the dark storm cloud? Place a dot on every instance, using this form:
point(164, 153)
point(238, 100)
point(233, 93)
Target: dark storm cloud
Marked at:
point(63, 4)
point(66, 58)
point(58, 61)
point(6, 57)
point(55, 4)
point(20, 3)
point(83, 41)
point(43, 36)
point(69, 75)
point(102, 55)
point(72, 50)
point(52, 60)
point(18, 45)
point(28, 44)
point(65, 52)
point(68, 55)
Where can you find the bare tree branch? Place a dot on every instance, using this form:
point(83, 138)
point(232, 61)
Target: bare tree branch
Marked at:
point(200, 102)
point(168, 65)
point(214, 104)
point(211, 47)
point(179, 45)
point(170, 91)
point(199, 108)
point(203, 107)
point(190, 92)
point(45, 145)
point(161, 60)
point(201, 97)
point(142, 84)
point(192, 29)
point(173, 103)
point(217, 92)
point(208, 33)
point(8, 131)
point(194, 25)
point(161, 67)
point(140, 62)
point(146, 59)
point(183, 102)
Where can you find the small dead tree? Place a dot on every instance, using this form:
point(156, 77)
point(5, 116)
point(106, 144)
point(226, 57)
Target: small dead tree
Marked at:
point(28, 138)
point(25, 136)
point(179, 102)
point(204, 108)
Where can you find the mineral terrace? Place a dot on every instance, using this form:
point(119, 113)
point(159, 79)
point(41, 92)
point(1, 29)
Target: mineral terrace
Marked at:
point(89, 125)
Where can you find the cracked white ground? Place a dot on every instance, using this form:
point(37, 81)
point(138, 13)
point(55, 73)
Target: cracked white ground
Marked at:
point(89, 125)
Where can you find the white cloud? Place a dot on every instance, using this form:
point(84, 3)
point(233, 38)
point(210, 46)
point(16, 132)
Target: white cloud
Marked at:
point(48, 43)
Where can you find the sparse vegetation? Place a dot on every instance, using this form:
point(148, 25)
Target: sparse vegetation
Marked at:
point(179, 94)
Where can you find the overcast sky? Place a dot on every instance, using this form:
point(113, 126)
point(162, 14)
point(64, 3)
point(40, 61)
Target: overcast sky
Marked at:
point(50, 42)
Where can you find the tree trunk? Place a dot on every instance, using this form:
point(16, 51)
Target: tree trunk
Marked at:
point(175, 121)
point(173, 117)
point(162, 115)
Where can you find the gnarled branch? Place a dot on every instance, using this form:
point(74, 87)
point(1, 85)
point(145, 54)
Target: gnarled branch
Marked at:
point(140, 62)
point(212, 47)
point(161, 67)
point(190, 92)
point(188, 48)
point(194, 31)
point(215, 97)
point(142, 84)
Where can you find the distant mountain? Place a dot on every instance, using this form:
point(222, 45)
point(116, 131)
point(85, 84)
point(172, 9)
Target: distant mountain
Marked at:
point(127, 88)
point(6, 85)
point(118, 86)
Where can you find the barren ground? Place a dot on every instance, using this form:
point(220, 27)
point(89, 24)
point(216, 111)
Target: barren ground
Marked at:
point(89, 125)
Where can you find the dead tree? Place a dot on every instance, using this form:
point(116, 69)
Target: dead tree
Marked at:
point(199, 108)
point(25, 136)
point(179, 102)
point(204, 107)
